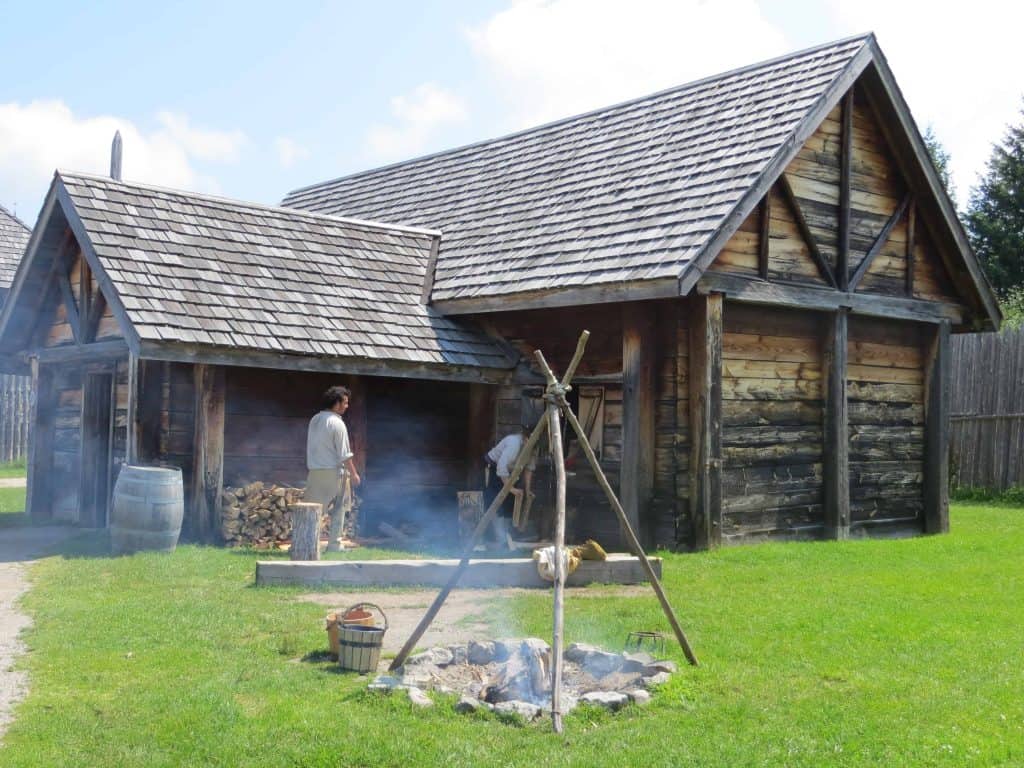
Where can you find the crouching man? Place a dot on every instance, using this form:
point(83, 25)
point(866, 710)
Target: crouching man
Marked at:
point(330, 462)
point(500, 460)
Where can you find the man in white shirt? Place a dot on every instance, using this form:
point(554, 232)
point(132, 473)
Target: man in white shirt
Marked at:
point(330, 461)
point(502, 458)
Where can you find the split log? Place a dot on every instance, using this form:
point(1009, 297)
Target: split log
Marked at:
point(305, 530)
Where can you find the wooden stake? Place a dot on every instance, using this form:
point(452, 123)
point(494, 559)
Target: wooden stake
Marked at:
point(555, 395)
point(628, 530)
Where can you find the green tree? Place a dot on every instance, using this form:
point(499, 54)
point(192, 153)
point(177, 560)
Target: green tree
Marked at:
point(941, 159)
point(995, 214)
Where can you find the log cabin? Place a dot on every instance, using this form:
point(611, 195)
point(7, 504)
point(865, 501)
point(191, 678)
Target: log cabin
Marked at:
point(767, 260)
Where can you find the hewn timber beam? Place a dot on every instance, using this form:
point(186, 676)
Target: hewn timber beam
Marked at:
point(911, 244)
point(805, 297)
point(101, 350)
point(706, 419)
point(92, 322)
point(881, 240)
point(837, 439)
point(42, 428)
point(207, 452)
point(936, 429)
point(845, 164)
point(805, 231)
point(636, 481)
point(764, 237)
point(64, 282)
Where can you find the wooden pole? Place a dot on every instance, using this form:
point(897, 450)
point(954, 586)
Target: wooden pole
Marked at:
point(620, 513)
point(555, 397)
point(485, 521)
point(837, 438)
point(636, 478)
point(132, 436)
point(936, 431)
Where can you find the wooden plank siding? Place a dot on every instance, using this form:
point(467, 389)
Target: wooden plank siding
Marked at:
point(987, 411)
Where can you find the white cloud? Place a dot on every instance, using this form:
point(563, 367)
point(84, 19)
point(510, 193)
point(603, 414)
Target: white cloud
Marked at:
point(38, 137)
point(553, 58)
point(289, 151)
point(418, 116)
point(959, 67)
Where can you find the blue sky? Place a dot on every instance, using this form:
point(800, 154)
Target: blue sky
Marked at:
point(253, 99)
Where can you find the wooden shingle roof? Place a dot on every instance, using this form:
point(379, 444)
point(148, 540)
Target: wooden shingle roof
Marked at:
point(13, 239)
point(624, 195)
point(198, 271)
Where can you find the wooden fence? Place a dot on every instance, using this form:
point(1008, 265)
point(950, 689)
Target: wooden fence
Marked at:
point(987, 440)
point(14, 416)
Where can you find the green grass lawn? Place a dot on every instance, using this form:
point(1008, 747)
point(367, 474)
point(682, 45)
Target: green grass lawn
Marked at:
point(13, 469)
point(863, 653)
point(12, 507)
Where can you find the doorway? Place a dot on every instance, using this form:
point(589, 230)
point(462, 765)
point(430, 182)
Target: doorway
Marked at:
point(97, 426)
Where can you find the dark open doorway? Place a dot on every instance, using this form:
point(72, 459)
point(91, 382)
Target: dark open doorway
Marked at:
point(97, 398)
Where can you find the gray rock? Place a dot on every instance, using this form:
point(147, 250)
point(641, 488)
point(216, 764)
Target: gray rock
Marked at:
point(481, 652)
point(653, 681)
point(639, 696)
point(536, 645)
point(611, 700)
point(635, 662)
point(595, 661)
point(384, 684)
point(418, 678)
point(437, 657)
point(458, 654)
point(469, 704)
point(505, 648)
point(521, 710)
point(419, 699)
point(660, 666)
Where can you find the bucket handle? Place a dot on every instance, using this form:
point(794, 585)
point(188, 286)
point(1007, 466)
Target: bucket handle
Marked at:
point(343, 614)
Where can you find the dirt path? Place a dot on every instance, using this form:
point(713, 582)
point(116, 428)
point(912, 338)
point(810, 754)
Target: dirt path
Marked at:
point(463, 617)
point(13, 482)
point(18, 547)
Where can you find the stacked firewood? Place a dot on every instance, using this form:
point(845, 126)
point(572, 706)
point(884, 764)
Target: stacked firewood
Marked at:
point(256, 515)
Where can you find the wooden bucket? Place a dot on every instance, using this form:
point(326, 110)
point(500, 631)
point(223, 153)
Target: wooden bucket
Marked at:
point(356, 615)
point(359, 644)
point(147, 509)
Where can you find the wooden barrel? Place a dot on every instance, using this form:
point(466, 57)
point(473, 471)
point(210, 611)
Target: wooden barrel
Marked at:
point(147, 509)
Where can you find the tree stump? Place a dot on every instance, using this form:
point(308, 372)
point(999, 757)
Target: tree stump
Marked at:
point(305, 530)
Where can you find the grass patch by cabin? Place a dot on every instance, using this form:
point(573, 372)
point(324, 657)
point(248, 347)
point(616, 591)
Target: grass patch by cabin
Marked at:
point(861, 653)
point(12, 507)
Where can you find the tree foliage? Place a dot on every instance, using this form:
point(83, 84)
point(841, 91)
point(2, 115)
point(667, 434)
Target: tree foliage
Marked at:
point(941, 159)
point(995, 214)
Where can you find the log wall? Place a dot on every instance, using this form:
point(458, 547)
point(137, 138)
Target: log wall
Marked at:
point(772, 421)
point(885, 389)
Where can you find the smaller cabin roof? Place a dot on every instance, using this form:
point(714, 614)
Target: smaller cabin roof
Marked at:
point(202, 271)
point(14, 234)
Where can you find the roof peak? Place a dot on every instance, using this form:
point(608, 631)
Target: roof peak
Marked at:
point(223, 200)
point(14, 217)
point(865, 37)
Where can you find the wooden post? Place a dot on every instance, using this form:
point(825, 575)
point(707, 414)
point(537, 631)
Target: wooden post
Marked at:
point(555, 444)
point(208, 451)
point(356, 419)
point(482, 405)
point(132, 436)
point(706, 420)
point(836, 435)
point(42, 405)
point(636, 482)
point(305, 517)
point(936, 428)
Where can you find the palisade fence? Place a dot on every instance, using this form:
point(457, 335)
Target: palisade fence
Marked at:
point(15, 392)
point(987, 439)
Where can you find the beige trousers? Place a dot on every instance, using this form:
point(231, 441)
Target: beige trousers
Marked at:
point(326, 487)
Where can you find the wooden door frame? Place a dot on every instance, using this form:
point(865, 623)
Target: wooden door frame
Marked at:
point(96, 462)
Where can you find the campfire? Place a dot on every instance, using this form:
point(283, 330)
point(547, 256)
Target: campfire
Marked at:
point(514, 676)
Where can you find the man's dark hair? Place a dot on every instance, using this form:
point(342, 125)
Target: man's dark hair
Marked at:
point(332, 396)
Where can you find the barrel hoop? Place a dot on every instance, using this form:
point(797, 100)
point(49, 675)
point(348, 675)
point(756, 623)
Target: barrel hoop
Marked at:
point(354, 644)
